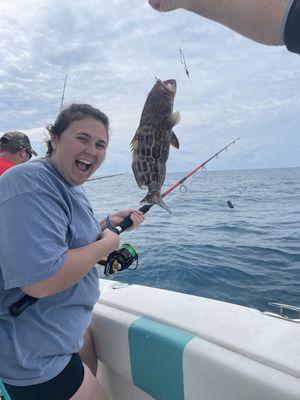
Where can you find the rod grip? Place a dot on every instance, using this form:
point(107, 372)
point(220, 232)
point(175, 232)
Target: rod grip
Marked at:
point(126, 223)
point(19, 306)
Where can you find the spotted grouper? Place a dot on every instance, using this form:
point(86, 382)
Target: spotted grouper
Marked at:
point(151, 143)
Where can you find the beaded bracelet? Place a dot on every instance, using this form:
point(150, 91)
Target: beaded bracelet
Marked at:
point(108, 224)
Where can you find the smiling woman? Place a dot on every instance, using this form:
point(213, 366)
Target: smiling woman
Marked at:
point(81, 149)
point(50, 242)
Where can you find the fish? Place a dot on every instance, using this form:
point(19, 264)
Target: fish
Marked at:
point(150, 145)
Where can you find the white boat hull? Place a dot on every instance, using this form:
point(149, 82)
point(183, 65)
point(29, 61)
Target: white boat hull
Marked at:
point(159, 344)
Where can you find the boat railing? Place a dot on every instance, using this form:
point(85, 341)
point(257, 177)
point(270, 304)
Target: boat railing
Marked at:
point(285, 311)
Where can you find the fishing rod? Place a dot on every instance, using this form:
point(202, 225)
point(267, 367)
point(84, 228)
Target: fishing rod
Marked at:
point(121, 259)
point(63, 94)
point(126, 223)
point(103, 177)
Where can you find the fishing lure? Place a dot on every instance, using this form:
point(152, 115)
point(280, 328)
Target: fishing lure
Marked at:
point(183, 62)
point(229, 203)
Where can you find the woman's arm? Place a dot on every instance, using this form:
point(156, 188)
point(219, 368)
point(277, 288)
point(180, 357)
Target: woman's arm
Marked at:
point(259, 20)
point(78, 262)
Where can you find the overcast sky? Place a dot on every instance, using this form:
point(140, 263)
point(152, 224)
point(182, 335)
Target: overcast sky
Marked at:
point(112, 51)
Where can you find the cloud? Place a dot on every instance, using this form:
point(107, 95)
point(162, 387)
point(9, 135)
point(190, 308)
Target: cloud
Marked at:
point(112, 52)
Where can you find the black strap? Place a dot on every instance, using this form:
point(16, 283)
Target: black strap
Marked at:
point(292, 28)
point(19, 306)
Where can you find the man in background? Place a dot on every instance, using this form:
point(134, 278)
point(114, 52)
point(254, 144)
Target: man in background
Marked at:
point(15, 148)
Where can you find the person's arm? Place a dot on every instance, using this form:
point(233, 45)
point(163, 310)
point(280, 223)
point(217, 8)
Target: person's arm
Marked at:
point(259, 20)
point(77, 263)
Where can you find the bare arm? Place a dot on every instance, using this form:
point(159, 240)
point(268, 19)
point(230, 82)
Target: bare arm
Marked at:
point(78, 262)
point(259, 20)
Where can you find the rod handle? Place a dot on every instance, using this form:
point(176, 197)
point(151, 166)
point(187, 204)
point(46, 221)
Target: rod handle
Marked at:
point(126, 223)
point(19, 306)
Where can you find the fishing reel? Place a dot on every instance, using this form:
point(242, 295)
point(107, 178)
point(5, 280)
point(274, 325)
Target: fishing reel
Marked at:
point(120, 259)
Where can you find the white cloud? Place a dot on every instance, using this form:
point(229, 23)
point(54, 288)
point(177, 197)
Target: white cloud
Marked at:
point(113, 50)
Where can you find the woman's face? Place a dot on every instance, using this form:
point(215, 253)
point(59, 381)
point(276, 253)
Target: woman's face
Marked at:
point(80, 150)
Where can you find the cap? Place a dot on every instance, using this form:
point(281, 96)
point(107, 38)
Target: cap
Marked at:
point(16, 140)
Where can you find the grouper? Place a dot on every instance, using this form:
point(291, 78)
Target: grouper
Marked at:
point(151, 143)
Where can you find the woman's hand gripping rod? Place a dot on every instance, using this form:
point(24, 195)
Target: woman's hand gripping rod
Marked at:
point(126, 223)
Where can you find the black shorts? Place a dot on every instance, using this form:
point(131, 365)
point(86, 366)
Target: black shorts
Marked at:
point(61, 387)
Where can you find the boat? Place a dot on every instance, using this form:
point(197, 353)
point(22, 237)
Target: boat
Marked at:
point(164, 345)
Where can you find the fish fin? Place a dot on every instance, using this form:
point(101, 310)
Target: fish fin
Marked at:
point(152, 198)
point(174, 141)
point(174, 119)
point(140, 182)
point(134, 145)
point(162, 175)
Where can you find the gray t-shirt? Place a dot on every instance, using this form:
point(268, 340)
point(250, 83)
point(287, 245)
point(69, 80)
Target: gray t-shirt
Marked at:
point(41, 217)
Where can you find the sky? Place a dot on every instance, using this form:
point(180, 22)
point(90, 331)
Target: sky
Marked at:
point(113, 50)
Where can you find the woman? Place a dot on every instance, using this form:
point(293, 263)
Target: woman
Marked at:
point(49, 244)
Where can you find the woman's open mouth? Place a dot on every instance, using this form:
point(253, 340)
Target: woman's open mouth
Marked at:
point(83, 165)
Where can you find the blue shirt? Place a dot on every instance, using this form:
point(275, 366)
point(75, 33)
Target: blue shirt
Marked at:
point(41, 218)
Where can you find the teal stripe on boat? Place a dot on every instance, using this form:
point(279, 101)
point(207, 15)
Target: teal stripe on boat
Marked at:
point(156, 357)
point(4, 392)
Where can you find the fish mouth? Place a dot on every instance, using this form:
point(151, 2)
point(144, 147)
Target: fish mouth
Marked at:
point(170, 85)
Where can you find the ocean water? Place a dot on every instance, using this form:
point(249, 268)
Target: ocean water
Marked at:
point(248, 255)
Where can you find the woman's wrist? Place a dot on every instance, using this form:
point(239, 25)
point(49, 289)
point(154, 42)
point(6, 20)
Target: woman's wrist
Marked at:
point(109, 222)
point(103, 225)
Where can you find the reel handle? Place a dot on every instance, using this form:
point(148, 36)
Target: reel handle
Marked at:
point(126, 223)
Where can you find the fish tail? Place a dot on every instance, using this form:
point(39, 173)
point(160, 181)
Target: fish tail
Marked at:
point(153, 198)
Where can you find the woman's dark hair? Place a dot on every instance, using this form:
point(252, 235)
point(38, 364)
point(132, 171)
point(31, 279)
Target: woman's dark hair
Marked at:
point(74, 112)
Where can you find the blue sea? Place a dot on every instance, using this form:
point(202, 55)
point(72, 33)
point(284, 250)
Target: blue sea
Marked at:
point(248, 255)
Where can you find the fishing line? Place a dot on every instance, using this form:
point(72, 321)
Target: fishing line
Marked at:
point(103, 177)
point(205, 130)
point(232, 198)
point(187, 72)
